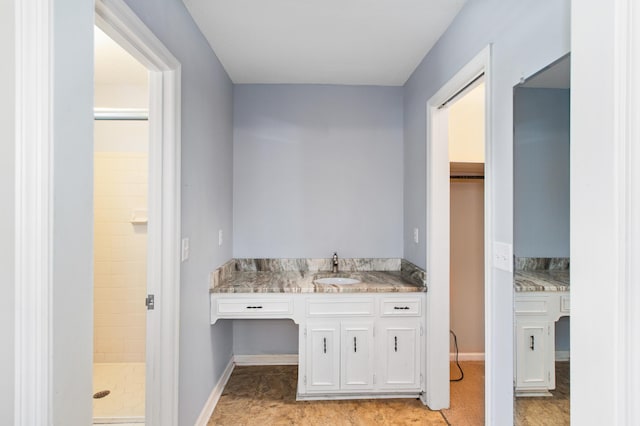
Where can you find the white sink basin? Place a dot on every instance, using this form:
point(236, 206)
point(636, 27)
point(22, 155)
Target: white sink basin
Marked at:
point(337, 281)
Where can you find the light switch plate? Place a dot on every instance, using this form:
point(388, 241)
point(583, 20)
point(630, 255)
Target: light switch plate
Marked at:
point(503, 256)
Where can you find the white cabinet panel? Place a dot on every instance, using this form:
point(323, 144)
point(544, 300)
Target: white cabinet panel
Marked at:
point(357, 355)
point(323, 353)
point(536, 314)
point(400, 362)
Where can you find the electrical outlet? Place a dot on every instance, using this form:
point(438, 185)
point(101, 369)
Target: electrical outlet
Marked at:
point(416, 233)
point(185, 249)
point(219, 237)
point(503, 256)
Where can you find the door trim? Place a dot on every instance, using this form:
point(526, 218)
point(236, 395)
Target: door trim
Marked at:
point(118, 21)
point(33, 212)
point(437, 309)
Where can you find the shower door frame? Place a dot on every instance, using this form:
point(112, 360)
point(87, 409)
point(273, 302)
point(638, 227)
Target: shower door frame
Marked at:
point(120, 23)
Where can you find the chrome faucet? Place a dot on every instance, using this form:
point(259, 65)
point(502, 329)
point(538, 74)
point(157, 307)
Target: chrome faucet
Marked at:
point(335, 262)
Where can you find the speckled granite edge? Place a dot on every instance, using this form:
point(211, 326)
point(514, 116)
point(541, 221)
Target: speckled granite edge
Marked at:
point(413, 273)
point(542, 263)
point(316, 265)
point(298, 269)
point(542, 281)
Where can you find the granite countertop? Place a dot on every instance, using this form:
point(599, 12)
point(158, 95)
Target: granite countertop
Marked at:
point(542, 280)
point(302, 282)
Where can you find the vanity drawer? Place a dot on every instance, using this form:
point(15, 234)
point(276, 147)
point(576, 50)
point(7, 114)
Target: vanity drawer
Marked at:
point(253, 306)
point(405, 307)
point(340, 307)
point(531, 305)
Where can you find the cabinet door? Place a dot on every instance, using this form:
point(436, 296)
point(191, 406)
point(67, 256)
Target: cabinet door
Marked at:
point(532, 360)
point(323, 356)
point(357, 355)
point(400, 361)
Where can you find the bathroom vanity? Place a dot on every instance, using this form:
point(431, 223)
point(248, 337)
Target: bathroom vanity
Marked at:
point(541, 299)
point(362, 340)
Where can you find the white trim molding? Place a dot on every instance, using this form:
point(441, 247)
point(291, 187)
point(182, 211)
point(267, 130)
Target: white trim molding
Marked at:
point(279, 359)
point(437, 310)
point(33, 213)
point(118, 21)
point(627, 133)
point(467, 356)
point(215, 395)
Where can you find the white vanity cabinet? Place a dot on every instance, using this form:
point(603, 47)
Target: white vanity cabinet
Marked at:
point(322, 372)
point(535, 317)
point(399, 351)
point(379, 351)
point(355, 345)
point(533, 363)
point(339, 355)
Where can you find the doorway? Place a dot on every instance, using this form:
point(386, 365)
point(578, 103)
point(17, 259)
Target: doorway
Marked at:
point(162, 214)
point(121, 176)
point(439, 303)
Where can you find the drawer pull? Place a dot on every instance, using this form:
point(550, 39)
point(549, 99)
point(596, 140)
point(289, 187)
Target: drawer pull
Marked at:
point(254, 307)
point(532, 346)
point(401, 308)
point(355, 345)
point(324, 340)
point(395, 345)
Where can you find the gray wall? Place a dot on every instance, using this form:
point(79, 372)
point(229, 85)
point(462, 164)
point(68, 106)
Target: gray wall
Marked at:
point(524, 37)
point(541, 173)
point(7, 85)
point(207, 151)
point(263, 337)
point(317, 169)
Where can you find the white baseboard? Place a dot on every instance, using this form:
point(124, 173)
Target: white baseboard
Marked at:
point(563, 355)
point(212, 401)
point(279, 359)
point(467, 356)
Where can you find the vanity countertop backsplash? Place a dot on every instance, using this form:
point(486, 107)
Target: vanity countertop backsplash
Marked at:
point(389, 275)
point(542, 274)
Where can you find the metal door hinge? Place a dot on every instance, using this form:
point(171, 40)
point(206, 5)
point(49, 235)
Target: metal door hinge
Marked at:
point(421, 379)
point(150, 302)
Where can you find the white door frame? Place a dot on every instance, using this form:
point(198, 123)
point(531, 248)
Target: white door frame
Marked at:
point(438, 235)
point(118, 21)
point(34, 208)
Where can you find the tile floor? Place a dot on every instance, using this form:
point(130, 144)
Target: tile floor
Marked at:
point(265, 395)
point(125, 403)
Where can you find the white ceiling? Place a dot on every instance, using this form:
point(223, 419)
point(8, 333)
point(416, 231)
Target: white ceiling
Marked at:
point(368, 42)
point(114, 65)
point(556, 76)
